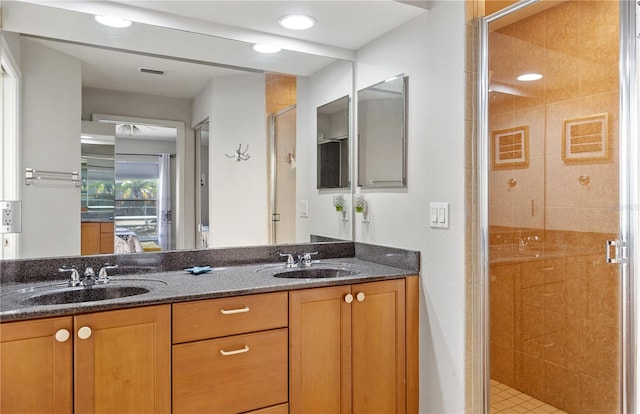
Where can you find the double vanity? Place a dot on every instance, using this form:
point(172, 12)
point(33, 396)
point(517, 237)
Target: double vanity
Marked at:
point(252, 333)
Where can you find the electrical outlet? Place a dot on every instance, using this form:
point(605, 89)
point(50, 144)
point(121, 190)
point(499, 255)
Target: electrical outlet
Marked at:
point(7, 217)
point(11, 217)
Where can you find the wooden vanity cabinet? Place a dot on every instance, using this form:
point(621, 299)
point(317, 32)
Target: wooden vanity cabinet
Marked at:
point(96, 237)
point(36, 369)
point(124, 366)
point(115, 361)
point(351, 347)
point(230, 355)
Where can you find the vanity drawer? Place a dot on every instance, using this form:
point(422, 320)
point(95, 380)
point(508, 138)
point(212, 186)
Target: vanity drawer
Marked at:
point(214, 318)
point(232, 374)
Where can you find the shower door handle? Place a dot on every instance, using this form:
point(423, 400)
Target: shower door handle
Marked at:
point(617, 257)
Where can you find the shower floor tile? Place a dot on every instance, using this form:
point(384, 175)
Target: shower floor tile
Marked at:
point(506, 400)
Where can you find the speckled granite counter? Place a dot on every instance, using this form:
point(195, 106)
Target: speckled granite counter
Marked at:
point(167, 281)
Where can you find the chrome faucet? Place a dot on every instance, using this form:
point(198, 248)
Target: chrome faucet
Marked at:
point(89, 277)
point(304, 260)
point(524, 242)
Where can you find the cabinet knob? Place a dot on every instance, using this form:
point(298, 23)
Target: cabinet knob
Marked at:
point(62, 335)
point(84, 332)
point(360, 296)
point(348, 298)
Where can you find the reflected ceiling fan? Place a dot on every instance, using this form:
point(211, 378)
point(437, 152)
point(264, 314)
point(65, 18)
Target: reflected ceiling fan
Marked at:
point(130, 130)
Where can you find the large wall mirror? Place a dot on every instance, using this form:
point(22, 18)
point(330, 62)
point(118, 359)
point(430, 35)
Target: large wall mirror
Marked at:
point(156, 86)
point(382, 134)
point(156, 81)
point(333, 144)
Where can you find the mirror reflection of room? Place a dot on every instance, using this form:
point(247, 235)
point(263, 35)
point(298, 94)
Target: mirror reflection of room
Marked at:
point(381, 134)
point(333, 144)
point(97, 202)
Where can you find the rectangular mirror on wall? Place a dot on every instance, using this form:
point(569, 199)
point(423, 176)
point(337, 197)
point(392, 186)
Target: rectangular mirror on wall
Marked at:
point(381, 134)
point(333, 144)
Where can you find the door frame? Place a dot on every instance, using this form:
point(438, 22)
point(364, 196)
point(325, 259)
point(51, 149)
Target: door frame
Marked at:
point(273, 196)
point(10, 147)
point(179, 219)
point(629, 213)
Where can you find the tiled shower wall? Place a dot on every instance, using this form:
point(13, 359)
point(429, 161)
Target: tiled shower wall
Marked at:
point(575, 46)
point(555, 317)
point(554, 324)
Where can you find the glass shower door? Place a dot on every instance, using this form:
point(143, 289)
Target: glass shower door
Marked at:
point(554, 191)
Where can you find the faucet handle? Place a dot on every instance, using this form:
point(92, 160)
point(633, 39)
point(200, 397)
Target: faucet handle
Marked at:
point(306, 258)
point(103, 276)
point(75, 276)
point(290, 261)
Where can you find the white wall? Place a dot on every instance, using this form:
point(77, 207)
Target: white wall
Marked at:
point(430, 50)
point(327, 85)
point(51, 99)
point(238, 208)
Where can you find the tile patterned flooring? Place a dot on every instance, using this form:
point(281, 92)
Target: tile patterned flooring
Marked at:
point(506, 400)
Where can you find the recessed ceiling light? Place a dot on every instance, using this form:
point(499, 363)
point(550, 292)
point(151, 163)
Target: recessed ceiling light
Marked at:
point(528, 77)
point(262, 48)
point(112, 21)
point(297, 22)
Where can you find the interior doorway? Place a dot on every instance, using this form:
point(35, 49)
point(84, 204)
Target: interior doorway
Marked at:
point(150, 170)
point(202, 183)
point(283, 198)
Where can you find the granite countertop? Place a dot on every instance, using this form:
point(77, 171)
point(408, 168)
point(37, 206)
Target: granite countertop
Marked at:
point(179, 286)
point(511, 254)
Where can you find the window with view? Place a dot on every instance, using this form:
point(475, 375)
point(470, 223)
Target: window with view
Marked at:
point(136, 202)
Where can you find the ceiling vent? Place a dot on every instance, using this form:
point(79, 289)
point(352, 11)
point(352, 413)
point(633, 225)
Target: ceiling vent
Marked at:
point(152, 71)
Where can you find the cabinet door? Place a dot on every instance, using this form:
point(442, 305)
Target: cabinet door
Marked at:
point(378, 347)
point(106, 237)
point(320, 350)
point(89, 238)
point(36, 366)
point(124, 363)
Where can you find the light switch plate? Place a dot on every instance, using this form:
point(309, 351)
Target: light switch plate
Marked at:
point(304, 208)
point(439, 215)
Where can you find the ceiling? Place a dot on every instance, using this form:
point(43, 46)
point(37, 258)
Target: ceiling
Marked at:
point(340, 24)
point(347, 24)
point(116, 70)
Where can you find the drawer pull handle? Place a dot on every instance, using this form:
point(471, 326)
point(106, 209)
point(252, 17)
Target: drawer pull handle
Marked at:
point(232, 311)
point(348, 298)
point(237, 351)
